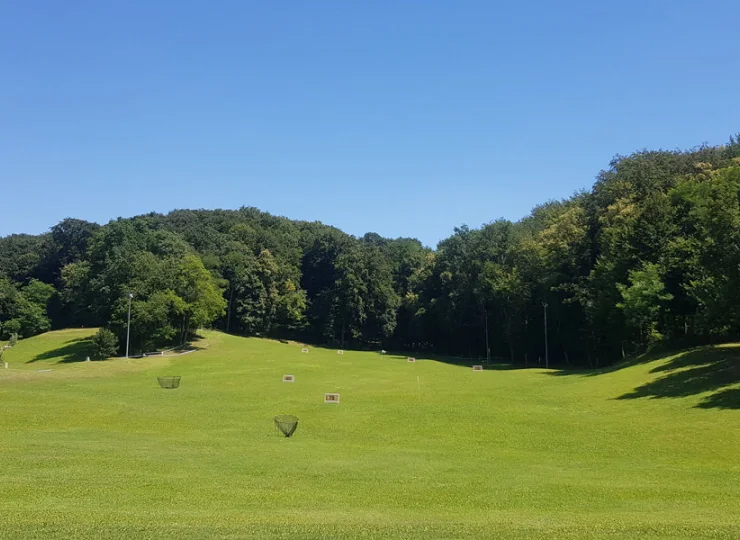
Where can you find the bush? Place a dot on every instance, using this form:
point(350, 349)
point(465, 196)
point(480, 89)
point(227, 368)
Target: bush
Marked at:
point(13, 339)
point(105, 344)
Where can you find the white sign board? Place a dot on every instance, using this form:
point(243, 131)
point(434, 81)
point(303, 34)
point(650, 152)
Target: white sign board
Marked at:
point(288, 378)
point(411, 359)
point(477, 368)
point(331, 398)
point(304, 350)
point(340, 352)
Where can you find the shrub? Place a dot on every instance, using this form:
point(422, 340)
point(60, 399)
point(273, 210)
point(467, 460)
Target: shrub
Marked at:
point(105, 344)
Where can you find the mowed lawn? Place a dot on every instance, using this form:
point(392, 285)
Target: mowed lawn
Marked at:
point(425, 450)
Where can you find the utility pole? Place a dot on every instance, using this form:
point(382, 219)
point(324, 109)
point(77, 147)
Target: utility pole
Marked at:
point(128, 325)
point(547, 357)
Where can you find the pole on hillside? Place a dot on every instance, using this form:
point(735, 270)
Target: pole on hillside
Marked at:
point(547, 356)
point(128, 325)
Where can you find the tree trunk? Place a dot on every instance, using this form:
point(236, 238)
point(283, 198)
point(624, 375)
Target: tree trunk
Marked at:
point(231, 302)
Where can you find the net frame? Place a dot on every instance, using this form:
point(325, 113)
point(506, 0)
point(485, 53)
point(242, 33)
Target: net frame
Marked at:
point(169, 382)
point(286, 424)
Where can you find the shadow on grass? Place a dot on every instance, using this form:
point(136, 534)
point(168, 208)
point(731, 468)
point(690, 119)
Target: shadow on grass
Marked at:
point(74, 350)
point(457, 361)
point(695, 372)
point(592, 372)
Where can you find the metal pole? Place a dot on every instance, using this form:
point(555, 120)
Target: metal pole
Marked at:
point(128, 325)
point(547, 357)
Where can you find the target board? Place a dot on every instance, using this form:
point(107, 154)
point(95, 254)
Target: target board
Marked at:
point(288, 378)
point(331, 398)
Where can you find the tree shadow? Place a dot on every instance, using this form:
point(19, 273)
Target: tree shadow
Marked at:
point(725, 399)
point(458, 361)
point(644, 358)
point(695, 372)
point(74, 350)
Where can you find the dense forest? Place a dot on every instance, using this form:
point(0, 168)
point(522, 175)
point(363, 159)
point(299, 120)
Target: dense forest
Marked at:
point(649, 256)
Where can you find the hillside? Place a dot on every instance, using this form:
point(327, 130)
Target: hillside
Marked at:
point(647, 256)
point(424, 450)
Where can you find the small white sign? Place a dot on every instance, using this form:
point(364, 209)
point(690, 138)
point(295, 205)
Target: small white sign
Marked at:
point(331, 398)
point(340, 352)
point(6, 365)
point(477, 368)
point(411, 359)
point(304, 350)
point(288, 378)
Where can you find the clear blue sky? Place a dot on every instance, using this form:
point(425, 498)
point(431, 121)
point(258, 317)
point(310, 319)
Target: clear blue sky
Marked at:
point(404, 118)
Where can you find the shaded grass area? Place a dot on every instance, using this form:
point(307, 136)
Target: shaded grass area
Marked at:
point(711, 373)
point(712, 370)
point(424, 450)
point(73, 350)
point(57, 347)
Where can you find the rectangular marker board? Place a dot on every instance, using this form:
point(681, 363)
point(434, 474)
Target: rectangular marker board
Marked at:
point(340, 352)
point(410, 359)
point(331, 398)
point(288, 378)
point(477, 368)
point(304, 350)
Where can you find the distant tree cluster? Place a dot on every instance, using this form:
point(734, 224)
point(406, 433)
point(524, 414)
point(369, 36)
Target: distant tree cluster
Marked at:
point(651, 254)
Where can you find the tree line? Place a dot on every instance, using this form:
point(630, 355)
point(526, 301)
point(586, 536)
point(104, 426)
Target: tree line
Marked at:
point(650, 255)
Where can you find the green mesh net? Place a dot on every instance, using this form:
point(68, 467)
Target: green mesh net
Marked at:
point(286, 424)
point(169, 382)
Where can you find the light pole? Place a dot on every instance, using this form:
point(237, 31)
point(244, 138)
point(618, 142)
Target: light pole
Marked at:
point(547, 357)
point(128, 325)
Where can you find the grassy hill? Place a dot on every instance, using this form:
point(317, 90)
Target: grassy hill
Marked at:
point(96, 450)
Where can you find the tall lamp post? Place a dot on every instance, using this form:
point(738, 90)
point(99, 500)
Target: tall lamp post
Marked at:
point(128, 325)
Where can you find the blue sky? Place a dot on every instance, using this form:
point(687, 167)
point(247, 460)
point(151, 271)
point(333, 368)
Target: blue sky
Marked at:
point(403, 118)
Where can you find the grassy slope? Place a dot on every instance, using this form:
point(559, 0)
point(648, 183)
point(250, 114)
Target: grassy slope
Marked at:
point(97, 450)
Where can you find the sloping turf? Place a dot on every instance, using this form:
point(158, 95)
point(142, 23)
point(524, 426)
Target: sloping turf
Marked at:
point(98, 451)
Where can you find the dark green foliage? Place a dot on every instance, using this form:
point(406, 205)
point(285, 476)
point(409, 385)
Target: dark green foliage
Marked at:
point(105, 344)
point(23, 310)
point(650, 254)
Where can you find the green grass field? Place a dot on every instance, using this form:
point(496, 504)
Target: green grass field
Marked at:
point(96, 450)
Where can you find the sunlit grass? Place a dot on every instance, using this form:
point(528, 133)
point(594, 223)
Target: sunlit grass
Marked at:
point(425, 450)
